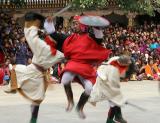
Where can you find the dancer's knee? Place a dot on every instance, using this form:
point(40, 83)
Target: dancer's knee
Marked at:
point(88, 88)
point(67, 78)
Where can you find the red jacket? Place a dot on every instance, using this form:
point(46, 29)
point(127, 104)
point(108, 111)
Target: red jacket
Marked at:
point(83, 53)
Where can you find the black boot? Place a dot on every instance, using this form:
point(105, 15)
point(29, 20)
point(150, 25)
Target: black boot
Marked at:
point(110, 121)
point(34, 111)
point(69, 95)
point(82, 101)
point(118, 115)
point(111, 114)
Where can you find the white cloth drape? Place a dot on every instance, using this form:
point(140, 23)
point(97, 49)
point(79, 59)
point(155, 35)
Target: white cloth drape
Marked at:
point(107, 86)
point(29, 79)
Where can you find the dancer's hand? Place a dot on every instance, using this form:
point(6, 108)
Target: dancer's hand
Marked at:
point(98, 33)
point(49, 25)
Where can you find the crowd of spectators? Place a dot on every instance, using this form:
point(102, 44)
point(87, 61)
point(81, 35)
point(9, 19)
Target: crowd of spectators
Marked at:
point(13, 47)
point(142, 43)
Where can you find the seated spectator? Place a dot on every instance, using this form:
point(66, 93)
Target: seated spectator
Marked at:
point(6, 77)
point(154, 45)
point(151, 70)
point(141, 72)
point(21, 51)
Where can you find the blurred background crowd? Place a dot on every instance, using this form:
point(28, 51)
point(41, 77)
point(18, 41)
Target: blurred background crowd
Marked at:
point(141, 42)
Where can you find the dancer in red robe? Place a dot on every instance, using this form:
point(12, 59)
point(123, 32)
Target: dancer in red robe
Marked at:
point(83, 51)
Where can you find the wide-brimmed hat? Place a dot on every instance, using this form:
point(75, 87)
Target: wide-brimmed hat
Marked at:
point(96, 21)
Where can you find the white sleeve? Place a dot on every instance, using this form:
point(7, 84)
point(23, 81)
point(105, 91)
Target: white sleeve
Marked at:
point(49, 27)
point(98, 33)
point(36, 44)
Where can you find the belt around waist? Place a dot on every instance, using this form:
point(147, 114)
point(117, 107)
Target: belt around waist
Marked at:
point(40, 68)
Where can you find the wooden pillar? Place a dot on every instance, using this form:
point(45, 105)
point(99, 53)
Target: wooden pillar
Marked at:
point(131, 17)
point(66, 22)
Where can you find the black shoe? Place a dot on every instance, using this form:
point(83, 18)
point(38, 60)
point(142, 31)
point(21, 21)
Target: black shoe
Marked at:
point(110, 121)
point(33, 120)
point(120, 120)
point(118, 115)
